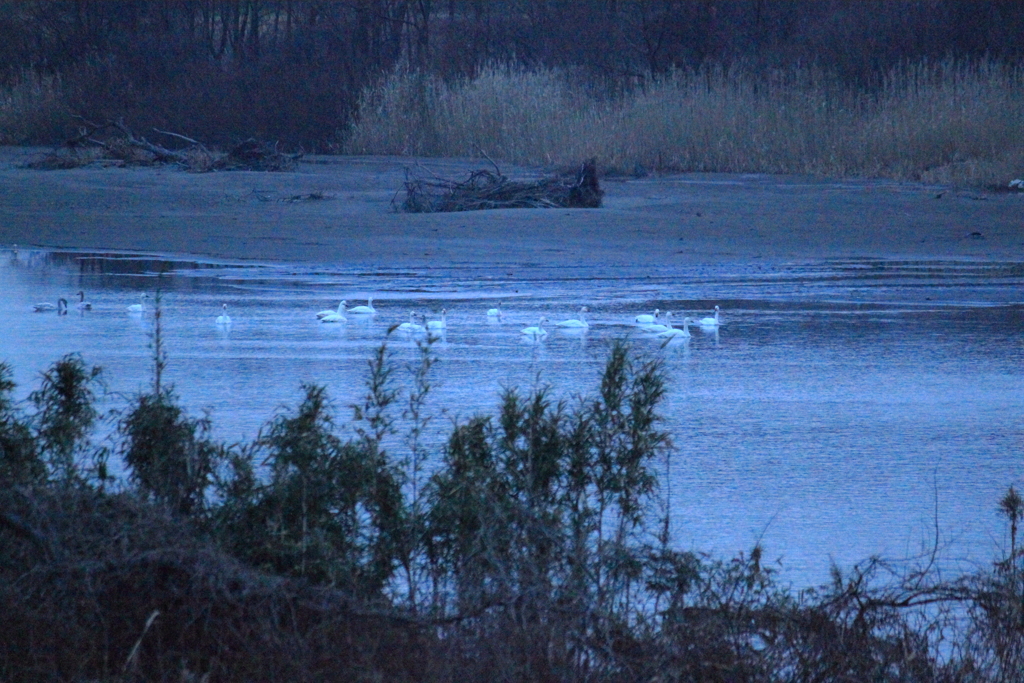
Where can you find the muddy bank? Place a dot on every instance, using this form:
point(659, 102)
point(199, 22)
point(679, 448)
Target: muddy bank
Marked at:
point(338, 210)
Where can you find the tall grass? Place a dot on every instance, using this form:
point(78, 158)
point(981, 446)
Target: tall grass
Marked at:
point(956, 122)
point(518, 115)
point(950, 121)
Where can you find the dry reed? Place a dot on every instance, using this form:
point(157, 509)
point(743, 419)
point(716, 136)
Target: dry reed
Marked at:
point(950, 122)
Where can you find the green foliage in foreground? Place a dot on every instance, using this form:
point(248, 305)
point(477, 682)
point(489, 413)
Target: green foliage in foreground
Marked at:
point(536, 548)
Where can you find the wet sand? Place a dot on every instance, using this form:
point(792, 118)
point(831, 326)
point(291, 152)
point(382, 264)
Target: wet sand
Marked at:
point(670, 220)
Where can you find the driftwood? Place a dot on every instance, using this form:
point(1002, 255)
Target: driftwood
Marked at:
point(114, 141)
point(492, 190)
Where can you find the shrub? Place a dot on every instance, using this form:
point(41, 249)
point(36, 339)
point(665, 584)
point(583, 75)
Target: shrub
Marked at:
point(169, 455)
point(65, 414)
point(537, 549)
point(329, 511)
point(20, 462)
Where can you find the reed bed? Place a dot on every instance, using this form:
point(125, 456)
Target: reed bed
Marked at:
point(952, 122)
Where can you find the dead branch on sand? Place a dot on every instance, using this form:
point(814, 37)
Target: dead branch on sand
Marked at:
point(113, 141)
point(491, 190)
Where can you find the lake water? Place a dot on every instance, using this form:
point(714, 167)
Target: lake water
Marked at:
point(844, 409)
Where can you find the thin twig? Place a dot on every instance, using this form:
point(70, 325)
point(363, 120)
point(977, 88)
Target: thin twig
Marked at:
point(179, 136)
point(481, 150)
point(133, 655)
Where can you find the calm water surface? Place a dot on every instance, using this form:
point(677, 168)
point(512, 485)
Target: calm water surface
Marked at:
point(840, 411)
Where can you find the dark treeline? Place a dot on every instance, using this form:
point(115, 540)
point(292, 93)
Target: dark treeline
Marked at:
point(292, 70)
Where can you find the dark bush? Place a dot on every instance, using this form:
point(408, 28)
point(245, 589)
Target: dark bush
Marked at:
point(19, 458)
point(65, 414)
point(114, 588)
point(170, 456)
point(330, 510)
point(538, 550)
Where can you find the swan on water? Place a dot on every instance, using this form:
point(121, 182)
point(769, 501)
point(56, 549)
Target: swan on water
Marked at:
point(333, 316)
point(676, 333)
point(494, 312)
point(441, 324)
point(83, 305)
point(659, 327)
point(47, 306)
point(711, 322)
point(141, 306)
point(328, 311)
point(646, 318)
point(364, 310)
point(223, 318)
point(576, 323)
point(411, 326)
point(536, 330)
point(61, 307)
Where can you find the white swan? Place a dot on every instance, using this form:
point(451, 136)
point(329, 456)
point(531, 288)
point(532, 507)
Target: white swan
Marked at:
point(328, 311)
point(575, 323)
point(441, 324)
point(223, 318)
point(711, 322)
point(333, 317)
point(83, 305)
point(659, 327)
point(494, 312)
point(368, 309)
point(676, 333)
point(412, 326)
point(536, 330)
point(646, 318)
point(141, 306)
point(47, 306)
point(61, 307)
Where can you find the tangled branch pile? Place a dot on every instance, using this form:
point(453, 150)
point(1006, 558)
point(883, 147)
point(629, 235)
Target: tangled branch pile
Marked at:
point(114, 142)
point(122, 592)
point(486, 190)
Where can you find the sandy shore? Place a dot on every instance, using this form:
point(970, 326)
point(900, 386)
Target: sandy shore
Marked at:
point(676, 220)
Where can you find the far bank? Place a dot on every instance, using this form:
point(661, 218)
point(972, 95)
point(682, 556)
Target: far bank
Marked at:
point(655, 221)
